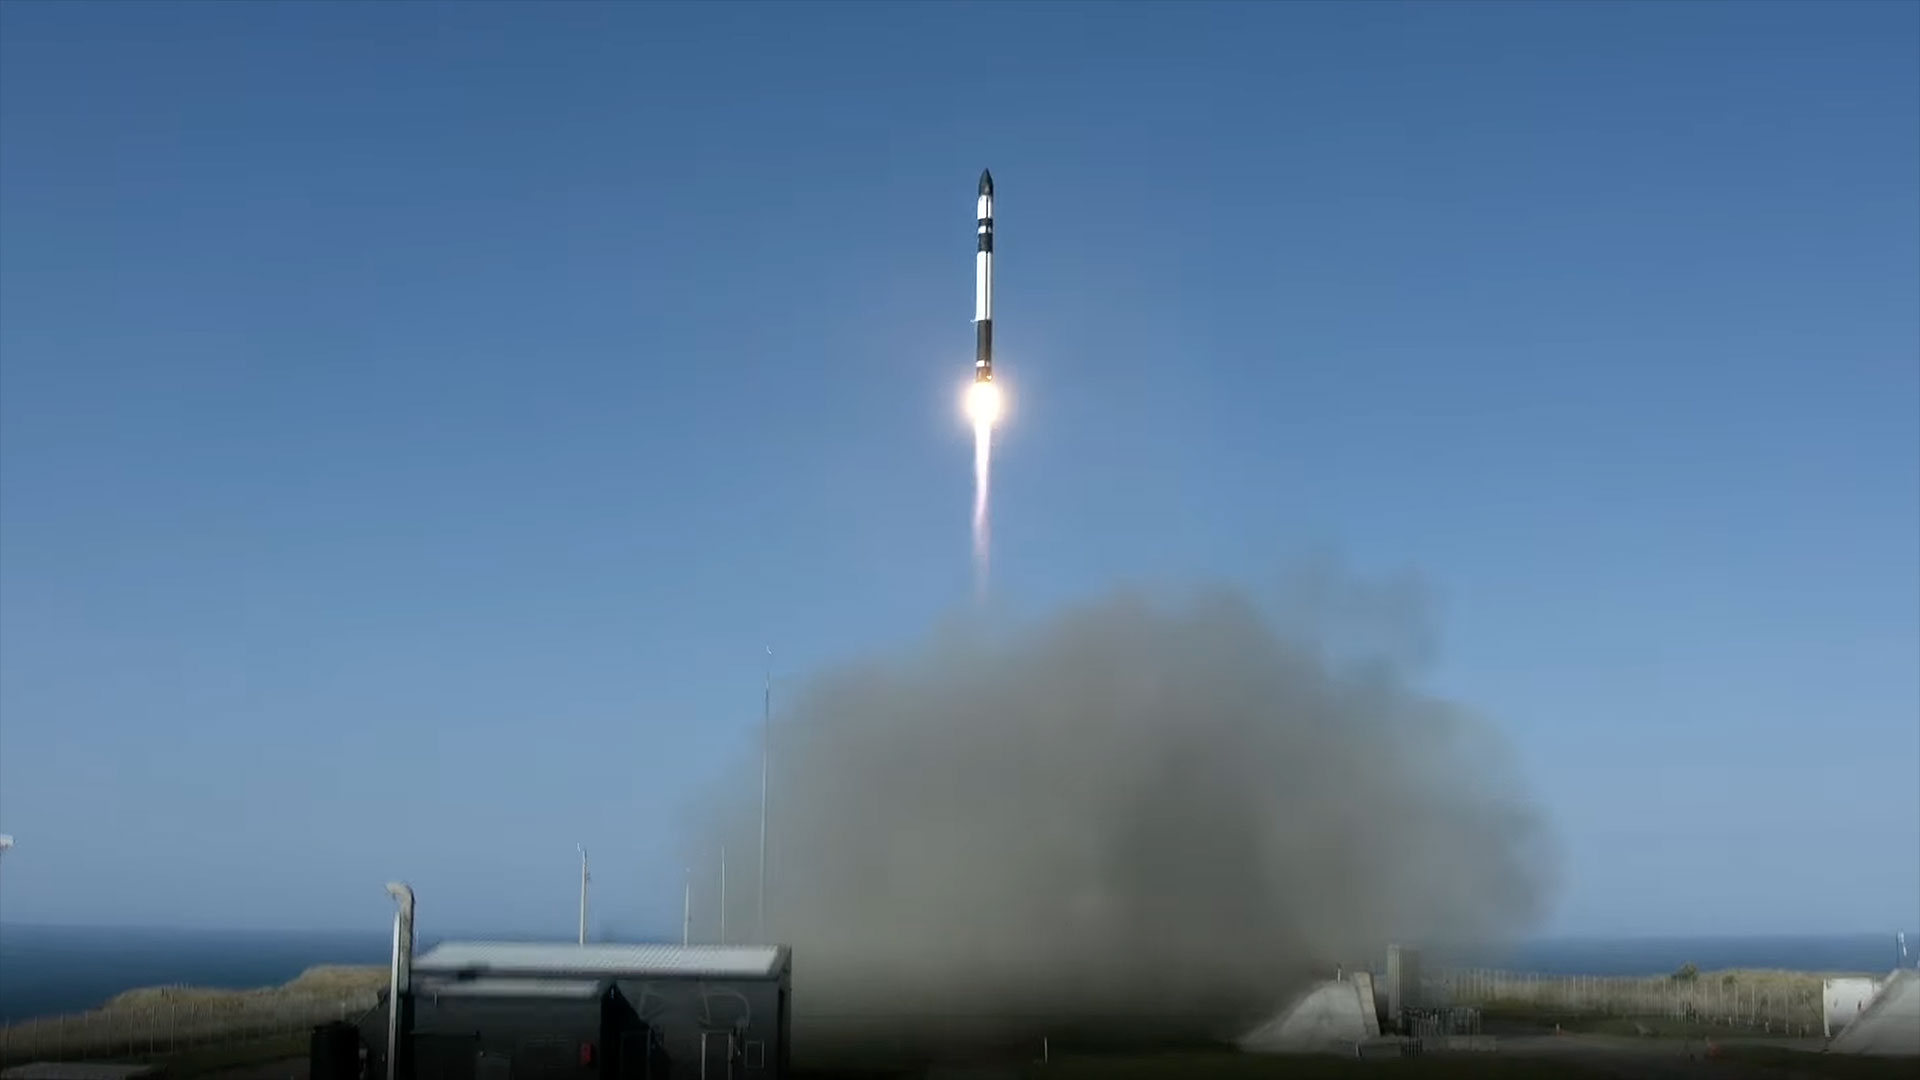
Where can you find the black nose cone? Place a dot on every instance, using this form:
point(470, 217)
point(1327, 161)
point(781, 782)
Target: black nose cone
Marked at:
point(986, 182)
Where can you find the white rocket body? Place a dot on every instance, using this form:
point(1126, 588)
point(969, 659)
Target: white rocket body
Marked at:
point(983, 284)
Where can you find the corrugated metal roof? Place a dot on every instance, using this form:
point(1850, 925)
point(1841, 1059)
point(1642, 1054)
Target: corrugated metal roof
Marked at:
point(498, 987)
point(529, 958)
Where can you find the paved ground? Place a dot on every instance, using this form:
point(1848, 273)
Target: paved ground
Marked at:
point(290, 1069)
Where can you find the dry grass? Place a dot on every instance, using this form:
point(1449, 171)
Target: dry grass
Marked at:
point(336, 979)
point(315, 982)
point(1762, 999)
point(1765, 980)
point(171, 1019)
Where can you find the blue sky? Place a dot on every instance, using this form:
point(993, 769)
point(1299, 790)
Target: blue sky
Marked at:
point(442, 405)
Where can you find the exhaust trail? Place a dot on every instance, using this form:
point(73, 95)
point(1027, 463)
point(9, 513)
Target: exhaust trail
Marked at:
point(982, 490)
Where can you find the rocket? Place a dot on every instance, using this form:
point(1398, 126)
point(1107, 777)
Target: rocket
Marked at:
point(983, 285)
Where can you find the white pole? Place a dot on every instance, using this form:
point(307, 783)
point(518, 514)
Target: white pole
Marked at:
point(393, 1002)
point(723, 894)
point(401, 978)
point(766, 751)
point(583, 892)
point(686, 912)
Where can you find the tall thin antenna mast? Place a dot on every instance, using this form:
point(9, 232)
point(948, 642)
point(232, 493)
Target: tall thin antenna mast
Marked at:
point(766, 751)
point(583, 892)
point(723, 894)
point(686, 912)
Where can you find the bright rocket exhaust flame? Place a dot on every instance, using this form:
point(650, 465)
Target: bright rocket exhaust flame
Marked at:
point(983, 404)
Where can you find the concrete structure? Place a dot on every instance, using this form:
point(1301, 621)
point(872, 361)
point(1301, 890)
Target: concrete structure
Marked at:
point(1331, 1016)
point(1403, 981)
point(1890, 1024)
point(1843, 999)
point(1370, 999)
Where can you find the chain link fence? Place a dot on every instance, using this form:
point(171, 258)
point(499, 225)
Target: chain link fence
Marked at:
point(1770, 1002)
point(167, 1027)
point(1441, 1022)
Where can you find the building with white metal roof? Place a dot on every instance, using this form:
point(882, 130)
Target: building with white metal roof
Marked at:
point(697, 1010)
point(605, 960)
point(491, 987)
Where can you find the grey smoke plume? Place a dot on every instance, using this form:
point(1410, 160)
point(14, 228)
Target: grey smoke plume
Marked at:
point(1138, 808)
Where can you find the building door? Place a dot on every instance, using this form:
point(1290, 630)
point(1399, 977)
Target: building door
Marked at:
point(637, 1053)
point(716, 1055)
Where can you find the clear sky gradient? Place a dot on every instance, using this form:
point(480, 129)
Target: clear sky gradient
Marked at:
point(439, 407)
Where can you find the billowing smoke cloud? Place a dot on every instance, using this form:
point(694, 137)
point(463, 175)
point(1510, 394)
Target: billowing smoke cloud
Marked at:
point(1138, 808)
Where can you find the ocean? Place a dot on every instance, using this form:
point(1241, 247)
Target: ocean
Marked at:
point(46, 970)
point(1872, 953)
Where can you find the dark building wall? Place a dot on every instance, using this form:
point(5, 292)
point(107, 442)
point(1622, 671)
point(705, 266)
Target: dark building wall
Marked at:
point(459, 1038)
point(736, 1026)
point(739, 1026)
point(373, 1032)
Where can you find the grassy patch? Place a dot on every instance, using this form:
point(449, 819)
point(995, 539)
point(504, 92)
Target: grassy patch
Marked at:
point(1509, 1016)
point(315, 983)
